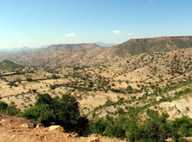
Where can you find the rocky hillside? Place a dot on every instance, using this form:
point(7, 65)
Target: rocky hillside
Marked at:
point(149, 45)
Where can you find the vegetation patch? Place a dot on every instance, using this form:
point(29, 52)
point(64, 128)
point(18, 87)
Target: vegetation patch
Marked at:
point(60, 111)
point(155, 128)
point(7, 109)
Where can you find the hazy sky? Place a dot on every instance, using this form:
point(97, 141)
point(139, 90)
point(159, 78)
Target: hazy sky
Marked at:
point(42, 22)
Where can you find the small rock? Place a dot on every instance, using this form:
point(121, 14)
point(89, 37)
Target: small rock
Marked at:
point(94, 139)
point(159, 98)
point(2, 120)
point(56, 127)
point(27, 125)
point(169, 140)
point(39, 125)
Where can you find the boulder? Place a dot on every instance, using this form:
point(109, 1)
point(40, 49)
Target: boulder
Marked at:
point(55, 128)
point(27, 125)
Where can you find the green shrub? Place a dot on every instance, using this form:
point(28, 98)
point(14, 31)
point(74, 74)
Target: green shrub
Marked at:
point(6, 109)
point(61, 111)
point(44, 99)
point(98, 126)
point(181, 127)
point(121, 126)
point(29, 79)
point(130, 89)
point(40, 113)
point(156, 128)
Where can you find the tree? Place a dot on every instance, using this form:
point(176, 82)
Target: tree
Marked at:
point(67, 111)
point(41, 113)
point(61, 111)
point(44, 99)
point(157, 127)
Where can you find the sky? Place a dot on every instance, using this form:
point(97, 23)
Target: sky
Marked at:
point(33, 23)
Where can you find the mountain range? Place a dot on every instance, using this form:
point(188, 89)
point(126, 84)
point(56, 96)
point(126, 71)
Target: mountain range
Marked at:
point(91, 53)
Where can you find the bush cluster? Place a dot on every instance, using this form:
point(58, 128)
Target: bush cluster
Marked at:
point(7, 109)
point(60, 111)
point(156, 128)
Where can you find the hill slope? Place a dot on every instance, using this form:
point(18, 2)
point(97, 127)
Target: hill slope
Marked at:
point(149, 45)
point(7, 65)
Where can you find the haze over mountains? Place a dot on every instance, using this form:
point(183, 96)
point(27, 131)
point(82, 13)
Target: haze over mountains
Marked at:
point(95, 52)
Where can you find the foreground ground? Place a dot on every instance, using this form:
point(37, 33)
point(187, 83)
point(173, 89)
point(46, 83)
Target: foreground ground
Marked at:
point(13, 129)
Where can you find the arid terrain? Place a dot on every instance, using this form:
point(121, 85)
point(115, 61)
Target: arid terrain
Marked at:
point(153, 73)
point(15, 129)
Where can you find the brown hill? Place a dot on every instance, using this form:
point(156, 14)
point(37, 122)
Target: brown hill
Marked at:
point(149, 45)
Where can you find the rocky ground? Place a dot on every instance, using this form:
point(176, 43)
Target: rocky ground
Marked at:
point(13, 129)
